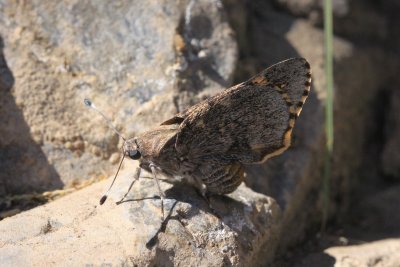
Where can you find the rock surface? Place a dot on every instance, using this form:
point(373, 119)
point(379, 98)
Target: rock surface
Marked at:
point(312, 8)
point(390, 154)
point(133, 61)
point(162, 80)
point(153, 62)
point(364, 240)
point(75, 231)
point(382, 253)
point(293, 179)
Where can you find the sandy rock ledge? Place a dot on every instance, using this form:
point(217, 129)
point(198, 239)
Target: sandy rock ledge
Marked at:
point(76, 231)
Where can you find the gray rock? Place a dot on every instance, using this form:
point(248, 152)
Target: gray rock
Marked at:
point(75, 231)
point(293, 179)
point(363, 22)
point(140, 63)
point(374, 254)
point(386, 214)
point(307, 8)
point(153, 62)
point(390, 154)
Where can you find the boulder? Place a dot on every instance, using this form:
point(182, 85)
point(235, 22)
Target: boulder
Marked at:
point(76, 231)
point(376, 253)
point(390, 155)
point(139, 63)
point(140, 66)
point(365, 240)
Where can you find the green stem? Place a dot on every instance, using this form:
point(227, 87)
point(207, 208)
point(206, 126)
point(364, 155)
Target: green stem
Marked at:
point(328, 39)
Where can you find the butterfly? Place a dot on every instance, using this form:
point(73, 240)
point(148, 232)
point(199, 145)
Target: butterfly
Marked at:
point(209, 143)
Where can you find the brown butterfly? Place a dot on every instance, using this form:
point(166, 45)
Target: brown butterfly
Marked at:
point(209, 143)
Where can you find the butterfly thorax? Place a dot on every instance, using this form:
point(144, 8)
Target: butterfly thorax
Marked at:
point(158, 147)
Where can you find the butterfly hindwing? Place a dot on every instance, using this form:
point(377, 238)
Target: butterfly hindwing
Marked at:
point(293, 78)
point(249, 122)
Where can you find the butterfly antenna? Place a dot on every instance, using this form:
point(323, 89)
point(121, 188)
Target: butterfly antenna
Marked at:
point(91, 105)
point(104, 197)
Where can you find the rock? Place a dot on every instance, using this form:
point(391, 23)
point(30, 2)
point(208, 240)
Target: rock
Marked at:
point(363, 21)
point(293, 179)
point(390, 154)
point(377, 253)
point(308, 8)
point(367, 237)
point(386, 214)
point(370, 240)
point(148, 82)
point(75, 231)
point(123, 56)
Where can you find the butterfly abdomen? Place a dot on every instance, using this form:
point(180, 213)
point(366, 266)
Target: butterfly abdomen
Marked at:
point(224, 180)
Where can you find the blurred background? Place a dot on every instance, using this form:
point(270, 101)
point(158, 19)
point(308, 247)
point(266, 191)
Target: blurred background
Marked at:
point(143, 61)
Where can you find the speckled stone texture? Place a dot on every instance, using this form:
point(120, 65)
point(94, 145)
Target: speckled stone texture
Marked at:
point(141, 63)
point(75, 231)
point(127, 57)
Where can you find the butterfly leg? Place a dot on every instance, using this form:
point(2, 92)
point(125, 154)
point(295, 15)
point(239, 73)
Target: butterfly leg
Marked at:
point(162, 196)
point(135, 178)
point(206, 196)
point(200, 186)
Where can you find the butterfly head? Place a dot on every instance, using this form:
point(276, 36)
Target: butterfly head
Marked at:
point(131, 149)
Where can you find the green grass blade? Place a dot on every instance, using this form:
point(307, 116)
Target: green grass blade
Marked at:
point(328, 40)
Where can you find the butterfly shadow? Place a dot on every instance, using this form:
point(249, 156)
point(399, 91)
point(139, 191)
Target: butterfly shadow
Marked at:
point(198, 28)
point(180, 192)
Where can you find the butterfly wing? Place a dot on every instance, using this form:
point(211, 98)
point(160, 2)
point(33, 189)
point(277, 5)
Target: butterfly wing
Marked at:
point(249, 122)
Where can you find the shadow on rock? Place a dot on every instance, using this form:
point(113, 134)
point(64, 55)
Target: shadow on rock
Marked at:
point(317, 259)
point(197, 28)
point(24, 167)
point(180, 193)
point(219, 206)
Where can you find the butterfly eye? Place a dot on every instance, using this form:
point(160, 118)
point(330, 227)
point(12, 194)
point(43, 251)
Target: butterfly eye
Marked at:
point(134, 154)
